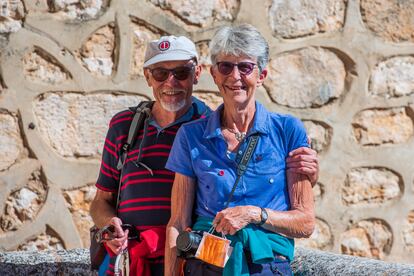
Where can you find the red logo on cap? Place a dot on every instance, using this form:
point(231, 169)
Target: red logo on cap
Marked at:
point(164, 45)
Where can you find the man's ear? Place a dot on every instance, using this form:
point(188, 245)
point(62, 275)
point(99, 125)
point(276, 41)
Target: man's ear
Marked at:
point(262, 77)
point(197, 73)
point(147, 76)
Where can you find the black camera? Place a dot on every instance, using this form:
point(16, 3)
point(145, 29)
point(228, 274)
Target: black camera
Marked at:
point(187, 243)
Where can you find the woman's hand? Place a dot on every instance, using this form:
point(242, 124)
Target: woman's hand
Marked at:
point(232, 219)
point(118, 244)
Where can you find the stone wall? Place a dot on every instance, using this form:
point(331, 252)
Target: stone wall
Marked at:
point(307, 262)
point(346, 68)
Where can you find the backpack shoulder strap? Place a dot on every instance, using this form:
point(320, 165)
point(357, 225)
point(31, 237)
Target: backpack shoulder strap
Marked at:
point(141, 113)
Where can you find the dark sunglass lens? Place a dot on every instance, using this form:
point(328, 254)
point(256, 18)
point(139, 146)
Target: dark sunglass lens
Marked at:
point(181, 73)
point(225, 67)
point(245, 68)
point(160, 74)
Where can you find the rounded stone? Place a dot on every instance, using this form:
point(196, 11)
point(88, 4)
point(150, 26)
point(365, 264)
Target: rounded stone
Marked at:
point(391, 20)
point(212, 99)
point(371, 186)
point(393, 77)
point(24, 204)
point(321, 237)
point(79, 118)
point(200, 12)
point(308, 77)
point(408, 232)
point(78, 202)
point(45, 241)
point(368, 238)
point(141, 35)
point(11, 143)
point(11, 16)
point(374, 127)
point(77, 9)
point(97, 54)
point(39, 66)
point(292, 19)
point(319, 133)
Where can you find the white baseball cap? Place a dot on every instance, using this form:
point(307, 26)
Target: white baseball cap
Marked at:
point(169, 48)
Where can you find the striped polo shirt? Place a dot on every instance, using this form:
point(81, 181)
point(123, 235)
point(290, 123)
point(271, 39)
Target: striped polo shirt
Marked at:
point(145, 199)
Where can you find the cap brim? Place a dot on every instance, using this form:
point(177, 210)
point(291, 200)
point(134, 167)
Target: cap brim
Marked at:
point(168, 57)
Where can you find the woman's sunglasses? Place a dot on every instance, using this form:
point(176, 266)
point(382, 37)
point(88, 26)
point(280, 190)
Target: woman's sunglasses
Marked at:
point(180, 73)
point(245, 68)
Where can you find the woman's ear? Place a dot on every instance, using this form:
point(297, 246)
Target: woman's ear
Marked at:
point(262, 77)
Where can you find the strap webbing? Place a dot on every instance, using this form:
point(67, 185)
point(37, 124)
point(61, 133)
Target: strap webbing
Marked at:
point(242, 165)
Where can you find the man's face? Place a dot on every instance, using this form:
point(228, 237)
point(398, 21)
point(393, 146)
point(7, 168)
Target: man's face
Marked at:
point(172, 83)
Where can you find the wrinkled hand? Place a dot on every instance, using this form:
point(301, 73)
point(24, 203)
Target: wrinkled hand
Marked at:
point(232, 219)
point(304, 161)
point(118, 244)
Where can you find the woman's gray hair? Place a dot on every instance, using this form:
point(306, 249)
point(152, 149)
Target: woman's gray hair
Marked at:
point(240, 40)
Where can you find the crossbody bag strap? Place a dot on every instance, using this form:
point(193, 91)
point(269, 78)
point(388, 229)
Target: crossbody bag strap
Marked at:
point(242, 164)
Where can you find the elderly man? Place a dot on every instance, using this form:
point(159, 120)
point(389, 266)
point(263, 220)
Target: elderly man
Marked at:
point(171, 70)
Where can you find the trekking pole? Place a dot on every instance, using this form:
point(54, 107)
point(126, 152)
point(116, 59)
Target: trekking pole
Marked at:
point(121, 267)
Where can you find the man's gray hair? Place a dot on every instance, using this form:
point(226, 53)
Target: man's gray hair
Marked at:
point(240, 40)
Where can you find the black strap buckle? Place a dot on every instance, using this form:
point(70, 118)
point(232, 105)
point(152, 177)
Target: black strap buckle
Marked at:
point(107, 233)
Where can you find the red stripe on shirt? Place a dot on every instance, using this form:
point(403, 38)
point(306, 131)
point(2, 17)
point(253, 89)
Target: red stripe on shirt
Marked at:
point(170, 132)
point(157, 146)
point(103, 188)
point(165, 154)
point(109, 175)
point(145, 199)
point(126, 112)
point(163, 172)
point(121, 137)
point(146, 180)
point(110, 151)
point(149, 128)
point(142, 208)
point(148, 134)
point(110, 143)
point(120, 120)
point(109, 168)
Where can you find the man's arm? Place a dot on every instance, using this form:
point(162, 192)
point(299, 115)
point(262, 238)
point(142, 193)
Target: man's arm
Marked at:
point(298, 222)
point(103, 213)
point(182, 201)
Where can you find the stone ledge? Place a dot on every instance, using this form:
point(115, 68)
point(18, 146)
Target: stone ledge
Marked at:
point(307, 262)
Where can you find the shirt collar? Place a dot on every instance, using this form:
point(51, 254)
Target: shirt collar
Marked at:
point(260, 122)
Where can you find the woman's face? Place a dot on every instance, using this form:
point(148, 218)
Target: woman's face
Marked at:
point(238, 86)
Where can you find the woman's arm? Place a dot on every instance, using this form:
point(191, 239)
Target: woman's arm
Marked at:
point(182, 201)
point(298, 222)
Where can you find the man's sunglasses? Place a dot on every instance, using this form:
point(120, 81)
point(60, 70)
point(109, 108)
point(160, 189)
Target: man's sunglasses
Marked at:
point(180, 73)
point(245, 68)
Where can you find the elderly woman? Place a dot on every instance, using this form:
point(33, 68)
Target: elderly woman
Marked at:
point(270, 205)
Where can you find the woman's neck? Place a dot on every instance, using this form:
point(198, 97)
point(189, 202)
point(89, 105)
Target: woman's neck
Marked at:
point(238, 119)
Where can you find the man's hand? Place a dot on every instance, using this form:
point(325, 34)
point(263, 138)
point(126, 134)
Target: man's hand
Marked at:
point(118, 244)
point(231, 220)
point(304, 161)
